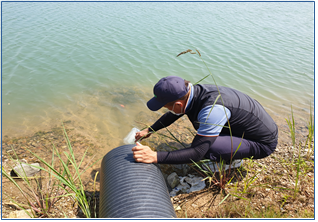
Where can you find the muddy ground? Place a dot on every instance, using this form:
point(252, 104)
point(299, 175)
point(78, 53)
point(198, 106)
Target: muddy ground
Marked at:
point(200, 204)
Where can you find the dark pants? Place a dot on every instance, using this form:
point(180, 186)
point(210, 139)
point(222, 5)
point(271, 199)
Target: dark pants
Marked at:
point(222, 148)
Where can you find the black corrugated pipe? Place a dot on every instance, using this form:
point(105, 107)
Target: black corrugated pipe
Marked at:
point(132, 190)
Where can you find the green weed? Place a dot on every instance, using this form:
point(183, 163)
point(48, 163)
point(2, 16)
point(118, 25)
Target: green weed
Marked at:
point(64, 179)
point(292, 130)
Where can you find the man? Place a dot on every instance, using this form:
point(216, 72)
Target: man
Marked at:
point(235, 118)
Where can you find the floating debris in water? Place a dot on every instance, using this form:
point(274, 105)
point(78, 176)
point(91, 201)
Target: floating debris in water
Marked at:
point(189, 50)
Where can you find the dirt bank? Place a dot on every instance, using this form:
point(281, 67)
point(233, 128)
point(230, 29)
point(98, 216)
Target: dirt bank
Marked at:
point(270, 194)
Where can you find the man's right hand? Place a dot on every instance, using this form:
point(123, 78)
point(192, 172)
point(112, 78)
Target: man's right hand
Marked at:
point(142, 134)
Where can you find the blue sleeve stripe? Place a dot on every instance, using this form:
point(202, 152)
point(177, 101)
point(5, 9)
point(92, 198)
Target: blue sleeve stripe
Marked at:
point(208, 135)
point(215, 120)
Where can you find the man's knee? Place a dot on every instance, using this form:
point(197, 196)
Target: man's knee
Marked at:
point(266, 150)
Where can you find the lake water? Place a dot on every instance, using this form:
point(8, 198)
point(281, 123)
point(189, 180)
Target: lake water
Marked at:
point(95, 63)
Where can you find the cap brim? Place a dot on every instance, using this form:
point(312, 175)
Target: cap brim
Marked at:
point(154, 105)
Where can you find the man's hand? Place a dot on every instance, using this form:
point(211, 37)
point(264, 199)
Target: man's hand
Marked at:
point(142, 134)
point(144, 154)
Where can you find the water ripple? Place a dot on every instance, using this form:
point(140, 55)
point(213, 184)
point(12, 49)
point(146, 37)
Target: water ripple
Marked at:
point(56, 52)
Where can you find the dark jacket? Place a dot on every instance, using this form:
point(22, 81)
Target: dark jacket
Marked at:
point(248, 118)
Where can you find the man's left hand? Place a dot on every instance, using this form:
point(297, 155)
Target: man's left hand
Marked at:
point(144, 154)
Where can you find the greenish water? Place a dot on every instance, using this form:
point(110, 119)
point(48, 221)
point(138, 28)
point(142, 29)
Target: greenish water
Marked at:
point(81, 61)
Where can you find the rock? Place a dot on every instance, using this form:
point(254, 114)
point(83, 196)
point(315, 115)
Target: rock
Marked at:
point(180, 169)
point(302, 198)
point(177, 207)
point(20, 214)
point(188, 184)
point(25, 169)
point(183, 186)
point(173, 180)
point(197, 183)
point(186, 169)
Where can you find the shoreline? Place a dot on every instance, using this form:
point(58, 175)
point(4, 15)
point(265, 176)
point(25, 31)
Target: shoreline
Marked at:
point(301, 116)
point(42, 142)
point(280, 120)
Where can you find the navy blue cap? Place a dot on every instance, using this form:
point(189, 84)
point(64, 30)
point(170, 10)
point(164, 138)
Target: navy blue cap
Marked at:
point(167, 90)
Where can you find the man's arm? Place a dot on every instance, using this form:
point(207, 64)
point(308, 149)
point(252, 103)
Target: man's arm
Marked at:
point(196, 152)
point(165, 120)
point(211, 124)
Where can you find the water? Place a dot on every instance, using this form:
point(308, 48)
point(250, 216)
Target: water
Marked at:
point(95, 63)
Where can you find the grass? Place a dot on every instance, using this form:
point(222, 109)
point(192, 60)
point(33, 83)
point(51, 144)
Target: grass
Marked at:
point(224, 176)
point(62, 178)
point(292, 187)
point(40, 199)
point(250, 177)
point(311, 132)
point(291, 125)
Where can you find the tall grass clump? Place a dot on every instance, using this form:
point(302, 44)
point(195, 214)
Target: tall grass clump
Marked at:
point(62, 178)
point(311, 131)
point(40, 196)
point(292, 130)
point(299, 165)
point(250, 177)
point(223, 174)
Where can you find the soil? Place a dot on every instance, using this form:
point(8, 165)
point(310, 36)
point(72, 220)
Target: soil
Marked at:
point(267, 198)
